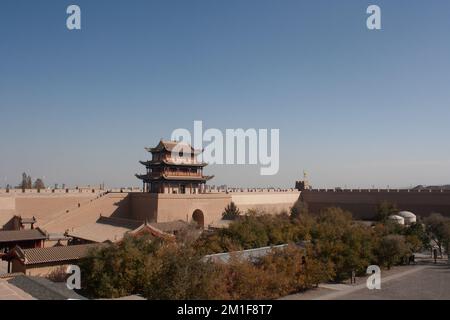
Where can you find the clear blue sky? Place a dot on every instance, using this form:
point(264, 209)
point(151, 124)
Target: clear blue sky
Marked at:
point(354, 107)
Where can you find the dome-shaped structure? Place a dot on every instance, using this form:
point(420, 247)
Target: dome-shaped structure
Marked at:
point(408, 216)
point(397, 219)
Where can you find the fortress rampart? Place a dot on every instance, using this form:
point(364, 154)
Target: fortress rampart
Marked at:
point(363, 202)
point(68, 191)
point(157, 207)
point(60, 210)
point(169, 207)
point(270, 202)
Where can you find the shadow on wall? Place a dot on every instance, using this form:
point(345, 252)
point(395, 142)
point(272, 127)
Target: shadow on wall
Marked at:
point(114, 205)
point(141, 206)
point(123, 208)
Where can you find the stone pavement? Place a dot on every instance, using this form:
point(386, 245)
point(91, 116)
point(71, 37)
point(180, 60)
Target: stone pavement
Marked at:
point(429, 282)
point(424, 280)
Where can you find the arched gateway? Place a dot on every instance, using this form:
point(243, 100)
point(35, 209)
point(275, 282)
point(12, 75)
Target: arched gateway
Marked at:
point(199, 218)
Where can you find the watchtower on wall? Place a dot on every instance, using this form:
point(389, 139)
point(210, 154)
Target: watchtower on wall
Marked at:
point(302, 185)
point(174, 169)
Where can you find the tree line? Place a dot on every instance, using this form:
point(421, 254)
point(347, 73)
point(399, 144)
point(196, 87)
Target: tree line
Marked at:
point(27, 183)
point(177, 271)
point(334, 246)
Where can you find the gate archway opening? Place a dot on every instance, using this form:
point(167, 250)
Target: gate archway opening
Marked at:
point(199, 218)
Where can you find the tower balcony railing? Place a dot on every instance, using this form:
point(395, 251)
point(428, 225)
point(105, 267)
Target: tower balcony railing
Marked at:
point(180, 173)
point(181, 160)
point(174, 173)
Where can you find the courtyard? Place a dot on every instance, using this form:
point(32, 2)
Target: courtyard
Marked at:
point(423, 281)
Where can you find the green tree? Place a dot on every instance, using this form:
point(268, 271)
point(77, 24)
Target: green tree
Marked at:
point(231, 212)
point(29, 183)
point(23, 184)
point(249, 232)
point(120, 269)
point(417, 236)
point(438, 228)
point(391, 250)
point(179, 273)
point(299, 209)
point(26, 182)
point(336, 238)
point(385, 209)
point(39, 184)
point(253, 231)
point(295, 269)
point(156, 270)
point(177, 270)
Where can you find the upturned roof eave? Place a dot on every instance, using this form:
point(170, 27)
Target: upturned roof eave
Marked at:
point(162, 145)
point(151, 163)
point(146, 178)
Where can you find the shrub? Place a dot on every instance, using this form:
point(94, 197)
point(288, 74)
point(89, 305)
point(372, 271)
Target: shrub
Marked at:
point(299, 209)
point(391, 250)
point(58, 275)
point(338, 239)
point(118, 270)
point(252, 231)
point(438, 229)
point(180, 274)
point(385, 209)
point(337, 246)
point(231, 212)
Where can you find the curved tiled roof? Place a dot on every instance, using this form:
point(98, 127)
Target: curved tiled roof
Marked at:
point(147, 177)
point(115, 229)
point(54, 254)
point(173, 163)
point(22, 235)
point(170, 145)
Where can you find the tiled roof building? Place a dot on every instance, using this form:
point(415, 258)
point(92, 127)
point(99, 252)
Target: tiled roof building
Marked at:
point(173, 169)
point(31, 238)
point(107, 229)
point(43, 261)
point(53, 254)
point(22, 235)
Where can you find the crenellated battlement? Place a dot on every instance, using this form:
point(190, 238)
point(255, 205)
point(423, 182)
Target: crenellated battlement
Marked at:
point(363, 203)
point(52, 191)
point(337, 190)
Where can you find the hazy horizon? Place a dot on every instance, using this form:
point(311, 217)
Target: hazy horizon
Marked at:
point(354, 107)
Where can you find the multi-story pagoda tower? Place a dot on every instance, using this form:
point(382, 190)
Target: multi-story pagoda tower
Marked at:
point(174, 169)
